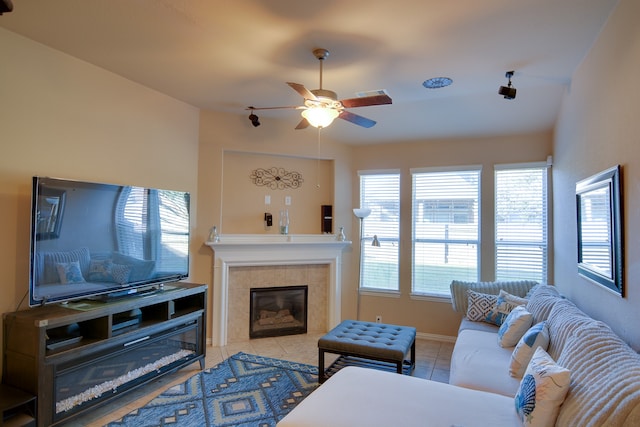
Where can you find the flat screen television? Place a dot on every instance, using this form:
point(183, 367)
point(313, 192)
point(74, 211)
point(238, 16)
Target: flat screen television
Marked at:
point(94, 240)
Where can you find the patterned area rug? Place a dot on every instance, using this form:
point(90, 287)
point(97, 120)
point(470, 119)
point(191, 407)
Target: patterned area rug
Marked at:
point(244, 390)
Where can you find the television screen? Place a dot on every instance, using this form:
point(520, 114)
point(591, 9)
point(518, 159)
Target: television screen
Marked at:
point(90, 239)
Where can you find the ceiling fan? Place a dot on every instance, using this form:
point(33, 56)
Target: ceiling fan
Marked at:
point(321, 106)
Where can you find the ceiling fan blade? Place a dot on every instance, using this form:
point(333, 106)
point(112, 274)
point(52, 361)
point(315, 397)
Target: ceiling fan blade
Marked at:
point(292, 107)
point(303, 124)
point(356, 119)
point(306, 93)
point(366, 101)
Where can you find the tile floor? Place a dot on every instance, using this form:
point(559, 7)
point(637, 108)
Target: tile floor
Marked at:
point(432, 361)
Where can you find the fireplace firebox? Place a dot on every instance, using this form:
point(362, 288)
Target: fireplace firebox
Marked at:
point(278, 311)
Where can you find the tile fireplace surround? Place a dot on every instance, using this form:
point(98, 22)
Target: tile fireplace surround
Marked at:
point(242, 261)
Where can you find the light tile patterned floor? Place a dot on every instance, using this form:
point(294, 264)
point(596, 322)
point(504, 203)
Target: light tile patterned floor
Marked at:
point(432, 362)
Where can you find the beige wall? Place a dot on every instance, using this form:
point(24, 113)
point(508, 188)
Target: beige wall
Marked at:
point(65, 118)
point(599, 128)
point(229, 135)
point(437, 318)
point(243, 201)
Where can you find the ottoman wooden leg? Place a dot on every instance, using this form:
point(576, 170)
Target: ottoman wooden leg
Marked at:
point(321, 377)
point(413, 354)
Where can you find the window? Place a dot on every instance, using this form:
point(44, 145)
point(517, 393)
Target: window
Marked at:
point(157, 237)
point(380, 192)
point(521, 222)
point(445, 217)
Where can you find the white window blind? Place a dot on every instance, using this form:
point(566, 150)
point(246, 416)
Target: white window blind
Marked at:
point(445, 217)
point(145, 227)
point(521, 222)
point(380, 192)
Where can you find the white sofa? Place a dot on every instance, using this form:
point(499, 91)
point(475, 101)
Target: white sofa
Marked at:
point(604, 388)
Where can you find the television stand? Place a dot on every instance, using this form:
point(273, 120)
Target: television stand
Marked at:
point(58, 352)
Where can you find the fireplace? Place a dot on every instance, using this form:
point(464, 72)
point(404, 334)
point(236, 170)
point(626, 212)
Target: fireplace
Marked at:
point(237, 255)
point(278, 311)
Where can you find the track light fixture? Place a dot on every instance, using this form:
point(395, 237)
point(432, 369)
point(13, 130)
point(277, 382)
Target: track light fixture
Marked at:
point(5, 6)
point(508, 91)
point(255, 121)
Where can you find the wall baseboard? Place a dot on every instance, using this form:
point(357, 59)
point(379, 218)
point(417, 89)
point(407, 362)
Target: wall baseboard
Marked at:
point(435, 337)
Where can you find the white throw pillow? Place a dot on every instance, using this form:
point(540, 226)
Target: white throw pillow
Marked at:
point(479, 305)
point(69, 272)
point(514, 326)
point(542, 390)
point(536, 336)
point(504, 304)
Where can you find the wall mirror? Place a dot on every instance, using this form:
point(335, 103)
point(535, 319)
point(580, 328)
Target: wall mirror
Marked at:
point(49, 214)
point(600, 245)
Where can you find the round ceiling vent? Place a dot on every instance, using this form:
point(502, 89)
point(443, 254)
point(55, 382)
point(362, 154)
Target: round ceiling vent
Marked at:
point(437, 82)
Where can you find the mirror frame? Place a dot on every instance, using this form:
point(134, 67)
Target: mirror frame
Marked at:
point(612, 278)
point(52, 231)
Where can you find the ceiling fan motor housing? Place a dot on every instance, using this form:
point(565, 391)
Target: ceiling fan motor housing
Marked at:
point(324, 93)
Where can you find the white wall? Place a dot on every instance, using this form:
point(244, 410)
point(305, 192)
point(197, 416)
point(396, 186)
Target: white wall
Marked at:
point(599, 127)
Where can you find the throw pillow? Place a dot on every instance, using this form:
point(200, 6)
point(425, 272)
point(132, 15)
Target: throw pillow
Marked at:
point(479, 305)
point(120, 273)
point(503, 306)
point(69, 272)
point(51, 259)
point(140, 269)
point(536, 336)
point(542, 390)
point(514, 326)
point(100, 270)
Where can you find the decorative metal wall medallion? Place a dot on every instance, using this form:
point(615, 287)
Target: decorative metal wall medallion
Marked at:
point(276, 178)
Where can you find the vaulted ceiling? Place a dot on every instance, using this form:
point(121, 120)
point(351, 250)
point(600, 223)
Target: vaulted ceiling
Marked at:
point(224, 55)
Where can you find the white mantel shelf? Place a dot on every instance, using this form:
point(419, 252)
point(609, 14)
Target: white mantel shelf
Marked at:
point(234, 250)
point(298, 248)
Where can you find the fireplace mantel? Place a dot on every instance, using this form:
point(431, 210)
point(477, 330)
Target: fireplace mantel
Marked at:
point(234, 250)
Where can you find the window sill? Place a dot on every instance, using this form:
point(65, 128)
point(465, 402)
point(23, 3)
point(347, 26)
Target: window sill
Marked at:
point(379, 292)
point(431, 298)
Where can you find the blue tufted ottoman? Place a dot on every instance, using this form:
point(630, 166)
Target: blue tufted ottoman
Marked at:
point(375, 341)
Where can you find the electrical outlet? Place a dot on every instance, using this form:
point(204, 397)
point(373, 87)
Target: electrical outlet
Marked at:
point(378, 319)
point(287, 200)
point(267, 199)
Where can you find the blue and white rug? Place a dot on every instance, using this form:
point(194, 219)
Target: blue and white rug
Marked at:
point(244, 390)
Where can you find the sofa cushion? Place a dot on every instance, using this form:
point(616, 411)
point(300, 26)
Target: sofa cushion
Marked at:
point(542, 390)
point(605, 379)
point(541, 301)
point(478, 362)
point(459, 297)
point(480, 305)
point(477, 326)
point(50, 259)
point(357, 396)
point(564, 320)
point(514, 327)
point(536, 336)
point(503, 306)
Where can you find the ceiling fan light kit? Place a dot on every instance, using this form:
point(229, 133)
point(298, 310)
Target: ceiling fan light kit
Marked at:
point(509, 92)
point(320, 117)
point(321, 106)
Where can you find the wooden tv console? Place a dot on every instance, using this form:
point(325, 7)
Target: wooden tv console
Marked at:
point(73, 357)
